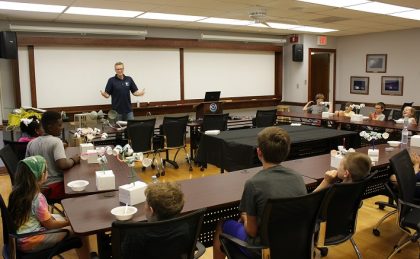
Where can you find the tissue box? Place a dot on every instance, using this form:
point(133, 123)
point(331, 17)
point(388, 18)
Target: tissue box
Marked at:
point(415, 141)
point(335, 161)
point(356, 118)
point(84, 147)
point(373, 154)
point(326, 115)
point(92, 156)
point(132, 193)
point(105, 180)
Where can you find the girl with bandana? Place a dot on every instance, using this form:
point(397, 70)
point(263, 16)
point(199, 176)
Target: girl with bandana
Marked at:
point(28, 208)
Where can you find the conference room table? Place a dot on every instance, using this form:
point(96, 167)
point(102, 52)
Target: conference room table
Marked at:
point(235, 150)
point(86, 171)
point(388, 124)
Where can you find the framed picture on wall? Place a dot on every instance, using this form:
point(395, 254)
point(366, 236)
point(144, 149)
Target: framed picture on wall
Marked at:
point(376, 63)
point(392, 85)
point(359, 85)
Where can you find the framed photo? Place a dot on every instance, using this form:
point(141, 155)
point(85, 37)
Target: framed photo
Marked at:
point(359, 85)
point(392, 85)
point(376, 63)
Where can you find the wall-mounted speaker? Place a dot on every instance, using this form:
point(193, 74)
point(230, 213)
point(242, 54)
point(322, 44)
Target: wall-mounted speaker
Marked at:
point(8, 45)
point(297, 54)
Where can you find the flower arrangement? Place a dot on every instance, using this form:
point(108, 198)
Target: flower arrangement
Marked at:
point(373, 136)
point(357, 107)
point(89, 134)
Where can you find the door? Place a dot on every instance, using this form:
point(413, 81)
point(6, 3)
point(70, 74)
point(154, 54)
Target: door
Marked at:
point(321, 73)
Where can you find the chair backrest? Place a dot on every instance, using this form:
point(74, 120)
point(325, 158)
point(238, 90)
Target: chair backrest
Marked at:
point(396, 114)
point(288, 225)
point(339, 210)
point(214, 122)
point(175, 130)
point(417, 115)
point(18, 147)
point(403, 168)
point(171, 238)
point(140, 134)
point(387, 112)
point(265, 118)
point(7, 222)
point(10, 160)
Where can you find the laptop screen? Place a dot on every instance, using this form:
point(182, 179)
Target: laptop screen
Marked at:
point(212, 96)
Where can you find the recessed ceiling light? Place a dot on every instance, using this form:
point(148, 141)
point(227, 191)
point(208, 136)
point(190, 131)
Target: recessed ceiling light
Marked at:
point(380, 8)
point(171, 17)
point(259, 25)
point(102, 12)
point(414, 15)
point(32, 7)
point(336, 3)
point(281, 26)
point(312, 29)
point(215, 20)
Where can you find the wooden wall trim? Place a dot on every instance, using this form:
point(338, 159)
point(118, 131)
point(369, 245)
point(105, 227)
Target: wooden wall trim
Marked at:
point(149, 42)
point(32, 78)
point(174, 106)
point(181, 71)
point(16, 82)
point(278, 74)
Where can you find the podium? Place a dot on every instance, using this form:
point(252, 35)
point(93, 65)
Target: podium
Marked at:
point(208, 108)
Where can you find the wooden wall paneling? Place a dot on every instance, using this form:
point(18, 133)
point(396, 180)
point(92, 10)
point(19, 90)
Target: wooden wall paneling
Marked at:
point(32, 76)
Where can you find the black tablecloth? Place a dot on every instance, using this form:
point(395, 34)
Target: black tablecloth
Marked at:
point(236, 149)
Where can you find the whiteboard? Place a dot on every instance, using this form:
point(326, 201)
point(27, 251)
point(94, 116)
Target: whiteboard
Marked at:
point(73, 76)
point(234, 73)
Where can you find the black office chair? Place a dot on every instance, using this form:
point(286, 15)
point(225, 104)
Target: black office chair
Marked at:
point(338, 215)
point(396, 114)
point(264, 118)
point(174, 130)
point(10, 160)
point(392, 203)
point(141, 138)
point(287, 228)
point(10, 239)
point(387, 112)
point(417, 116)
point(18, 147)
point(214, 122)
point(408, 211)
point(173, 238)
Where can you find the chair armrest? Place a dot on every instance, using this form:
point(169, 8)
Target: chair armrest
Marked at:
point(45, 232)
point(201, 249)
point(241, 242)
point(415, 206)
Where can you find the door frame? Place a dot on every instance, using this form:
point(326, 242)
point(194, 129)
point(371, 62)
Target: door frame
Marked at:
point(333, 73)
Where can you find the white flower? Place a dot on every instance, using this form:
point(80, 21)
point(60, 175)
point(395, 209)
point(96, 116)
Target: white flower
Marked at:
point(385, 135)
point(373, 135)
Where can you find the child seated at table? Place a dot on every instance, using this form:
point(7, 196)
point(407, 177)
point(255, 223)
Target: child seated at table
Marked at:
point(30, 128)
point(378, 114)
point(415, 159)
point(348, 110)
point(353, 167)
point(164, 201)
point(319, 107)
point(50, 146)
point(28, 208)
point(409, 112)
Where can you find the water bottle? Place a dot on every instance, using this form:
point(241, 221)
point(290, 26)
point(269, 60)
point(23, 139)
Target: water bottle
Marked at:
point(155, 179)
point(404, 133)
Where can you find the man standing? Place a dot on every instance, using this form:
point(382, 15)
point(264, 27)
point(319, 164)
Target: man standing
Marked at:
point(119, 87)
point(273, 181)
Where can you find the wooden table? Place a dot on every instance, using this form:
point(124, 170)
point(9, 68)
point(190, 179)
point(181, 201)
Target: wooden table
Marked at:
point(85, 171)
point(389, 124)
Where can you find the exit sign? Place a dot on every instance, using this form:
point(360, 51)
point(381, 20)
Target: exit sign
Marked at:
point(321, 40)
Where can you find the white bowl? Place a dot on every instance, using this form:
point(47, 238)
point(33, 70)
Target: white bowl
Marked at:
point(78, 185)
point(394, 143)
point(121, 214)
point(399, 121)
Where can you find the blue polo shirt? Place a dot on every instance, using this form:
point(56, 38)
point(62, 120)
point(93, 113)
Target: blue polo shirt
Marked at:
point(120, 89)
